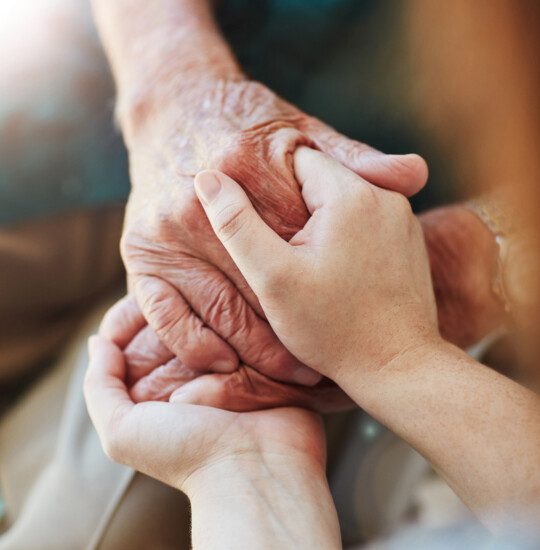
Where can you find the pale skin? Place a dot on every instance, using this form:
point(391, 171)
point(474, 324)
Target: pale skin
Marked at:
point(372, 329)
point(255, 480)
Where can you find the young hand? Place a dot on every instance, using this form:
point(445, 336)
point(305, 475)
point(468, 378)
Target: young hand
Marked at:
point(352, 290)
point(255, 480)
point(177, 442)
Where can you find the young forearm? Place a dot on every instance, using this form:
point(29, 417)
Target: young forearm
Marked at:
point(263, 505)
point(477, 428)
point(159, 49)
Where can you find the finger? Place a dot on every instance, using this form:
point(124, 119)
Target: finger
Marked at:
point(248, 390)
point(405, 174)
point(104, 389)
point(122, 322)
point(144, 353)
point(219, 304)
point(159, 384)
point(174, 322)
point(254, 247)
point(324, 181)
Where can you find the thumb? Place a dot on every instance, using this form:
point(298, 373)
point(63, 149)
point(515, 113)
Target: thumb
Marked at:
point(255, 248)
point(405, 174)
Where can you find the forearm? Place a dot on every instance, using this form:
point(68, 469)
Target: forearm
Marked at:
point(159, 49)
point(477, 428)
point(263, 505)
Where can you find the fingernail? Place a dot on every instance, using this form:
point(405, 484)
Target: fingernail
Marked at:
point(305, 376)
point(223, 365)
point(207, 186)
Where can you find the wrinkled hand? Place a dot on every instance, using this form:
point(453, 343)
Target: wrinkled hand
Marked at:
point(153, 373)
point(463, 257)
point(188, 288)
point(176, 441)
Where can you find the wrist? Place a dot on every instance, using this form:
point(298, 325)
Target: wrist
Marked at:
point(283, 503)
point(152, 106)
point(244, 474)
point(369, 388)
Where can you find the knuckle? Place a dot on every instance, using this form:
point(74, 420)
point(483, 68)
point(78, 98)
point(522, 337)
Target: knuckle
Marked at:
point(163, 318)
point(226, 310)
point(275, 282)
point(231, 220)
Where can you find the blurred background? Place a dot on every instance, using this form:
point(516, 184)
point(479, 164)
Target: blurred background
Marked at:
point(456, 82)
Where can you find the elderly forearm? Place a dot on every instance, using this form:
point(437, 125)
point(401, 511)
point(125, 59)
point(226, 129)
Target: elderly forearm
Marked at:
point(157, 49)
point(263, 505)
point(477, 428)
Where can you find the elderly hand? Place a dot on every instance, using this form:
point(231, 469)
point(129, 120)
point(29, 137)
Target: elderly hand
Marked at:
point(463, 257)
point(352, 290)
point(177, 442)
point(188, 288)
point(153, 373)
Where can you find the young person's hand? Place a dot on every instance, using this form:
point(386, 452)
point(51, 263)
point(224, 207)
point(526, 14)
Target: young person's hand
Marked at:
point(352, 290)
point(173, 441)
point(254, 479)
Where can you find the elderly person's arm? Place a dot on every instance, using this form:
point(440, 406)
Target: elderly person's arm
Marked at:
point(185, 105)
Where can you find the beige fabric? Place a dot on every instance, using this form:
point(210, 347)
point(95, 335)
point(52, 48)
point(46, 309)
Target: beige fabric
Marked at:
point(51, 270)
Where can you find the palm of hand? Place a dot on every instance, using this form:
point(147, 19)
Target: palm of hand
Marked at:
point(173, 441)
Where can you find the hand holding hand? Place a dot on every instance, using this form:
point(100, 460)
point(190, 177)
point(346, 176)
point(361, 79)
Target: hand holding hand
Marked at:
point(177, 442)
point(352, 290)
point(153, 373)
point(256, 478)
point(188, 288)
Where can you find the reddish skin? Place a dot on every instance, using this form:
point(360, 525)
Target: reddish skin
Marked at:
point(463, 257)
point(186, 285)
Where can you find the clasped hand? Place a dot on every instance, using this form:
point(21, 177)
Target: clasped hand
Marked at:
point(346, 295)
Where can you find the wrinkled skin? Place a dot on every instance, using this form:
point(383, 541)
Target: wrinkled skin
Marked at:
point(154, 373)
point(179, 443)
point(188, 289)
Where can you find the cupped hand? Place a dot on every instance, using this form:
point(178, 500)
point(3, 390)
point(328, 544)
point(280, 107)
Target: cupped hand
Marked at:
point(352, 290)
point(176, 441)
point(189, 290)
point(153, 373)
